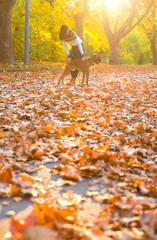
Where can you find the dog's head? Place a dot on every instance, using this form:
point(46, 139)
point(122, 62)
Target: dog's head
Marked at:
point(95, 59)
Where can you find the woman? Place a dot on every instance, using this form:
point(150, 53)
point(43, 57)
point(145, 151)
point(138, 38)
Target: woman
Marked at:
point(77, 47)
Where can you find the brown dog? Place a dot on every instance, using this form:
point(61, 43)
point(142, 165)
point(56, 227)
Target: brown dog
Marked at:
point(83, 67)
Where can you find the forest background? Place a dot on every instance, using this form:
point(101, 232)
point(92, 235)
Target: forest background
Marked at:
point(47, 16)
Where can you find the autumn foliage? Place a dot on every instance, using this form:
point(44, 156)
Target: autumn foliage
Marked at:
point(104, 134)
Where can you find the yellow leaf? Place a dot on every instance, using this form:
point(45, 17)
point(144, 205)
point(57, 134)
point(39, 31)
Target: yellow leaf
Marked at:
point(154, 134)
point(2, 134)
point(48, 129)
point(39, 153)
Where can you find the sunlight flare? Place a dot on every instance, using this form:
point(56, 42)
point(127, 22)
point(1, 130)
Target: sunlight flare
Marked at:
point(112, 4)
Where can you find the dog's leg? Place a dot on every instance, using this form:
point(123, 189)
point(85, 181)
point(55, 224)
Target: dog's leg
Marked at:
point(60, 80)
point(83, 78)
point(66, 72)
point(87, 77)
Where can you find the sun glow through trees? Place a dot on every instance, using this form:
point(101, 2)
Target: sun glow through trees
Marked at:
point(112, 4)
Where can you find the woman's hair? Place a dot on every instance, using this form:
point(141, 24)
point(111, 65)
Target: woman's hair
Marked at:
point(63, 30)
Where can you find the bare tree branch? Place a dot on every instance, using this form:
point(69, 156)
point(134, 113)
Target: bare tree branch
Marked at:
point(106, 21)
point(115, 29)
point(129, 29)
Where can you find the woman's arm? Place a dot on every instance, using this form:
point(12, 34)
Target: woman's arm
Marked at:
point(66, 48)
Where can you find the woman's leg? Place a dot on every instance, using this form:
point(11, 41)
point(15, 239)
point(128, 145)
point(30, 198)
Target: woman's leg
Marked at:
point(74, 54)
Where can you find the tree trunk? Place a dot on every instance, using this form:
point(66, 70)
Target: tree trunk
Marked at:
point(154, 50)
point(79, 23)
point(79, 17)
point(6, 52)
point(114, 52)
point(115, 37)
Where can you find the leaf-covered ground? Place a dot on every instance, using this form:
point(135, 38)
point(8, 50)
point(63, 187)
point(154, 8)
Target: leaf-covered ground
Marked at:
point(104, 135)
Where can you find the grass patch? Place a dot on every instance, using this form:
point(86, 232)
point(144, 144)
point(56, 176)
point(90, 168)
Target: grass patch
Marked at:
point(39, 66)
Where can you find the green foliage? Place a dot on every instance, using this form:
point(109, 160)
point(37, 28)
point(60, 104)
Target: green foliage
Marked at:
point(18, 30)
point(45, 22)
point(94, 33)
point(135, 49)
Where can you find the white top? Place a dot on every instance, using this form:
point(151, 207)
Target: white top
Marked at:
point(75, 42)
